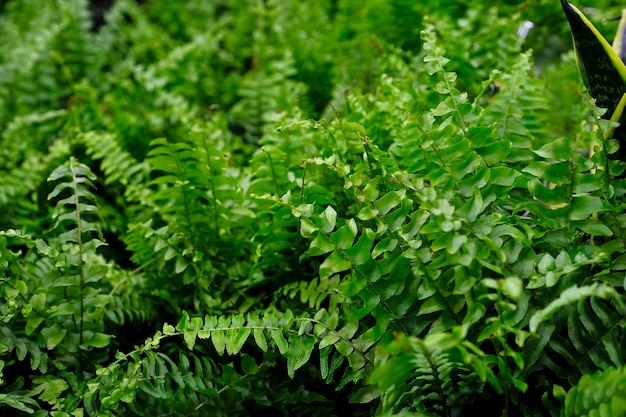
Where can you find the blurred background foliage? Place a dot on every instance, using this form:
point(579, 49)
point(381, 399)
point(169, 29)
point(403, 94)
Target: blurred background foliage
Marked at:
point(141, 70)
point(68, 54)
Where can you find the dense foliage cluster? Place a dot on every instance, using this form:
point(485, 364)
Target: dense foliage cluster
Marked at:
point(306, 208)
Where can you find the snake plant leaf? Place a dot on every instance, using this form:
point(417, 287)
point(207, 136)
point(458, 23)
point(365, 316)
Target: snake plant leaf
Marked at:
point(619, 46)
point(619, 43)
point(602, 70)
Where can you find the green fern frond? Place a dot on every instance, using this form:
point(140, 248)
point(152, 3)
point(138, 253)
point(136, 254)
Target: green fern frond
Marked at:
point(267, 92)
point(118, 165)
point(197, 172)
point(30, 161)
point(129, 298)
point(315, 293)
point(155, 373)
point(600, 394)
point(519, 107)
point(588, 332)
point(422, 376)
point(75, 204)
point(79, 267)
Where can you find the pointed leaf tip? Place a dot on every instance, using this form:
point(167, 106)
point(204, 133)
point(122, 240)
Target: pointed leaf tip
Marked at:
point(601, 68)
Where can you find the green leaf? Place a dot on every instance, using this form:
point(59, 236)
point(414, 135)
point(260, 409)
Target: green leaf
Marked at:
point(217, 334)
point(586, 183)
point(598, 394)
point(249, 365)
point(389, 201)
point(49, 388)
point(559, 149)
point(495, 152)
point(319, 246)
point(53, 335)
point(299, 352)
point(555, 195)
point(504, 176)
point(182, 323)
point(367, 213)
point(324, 354)
point(157, 391)
point(97, 340)
point(343, 238)
point(329, 219)
point(584, 206)
point(168, 329)
point(383, 246)
point(594, 228)
point(443, 108)
point(361, 251)
point(307, 228)
point(236, 338)
point(19, 404)
point(218, 338)
point(190, 338)
point(432, 304)
point(259, 338)
point(473, 207)
point(333, 264)
point(457, 242)
point(181, 264)
point(330, 339)
point(279, 339)
point(33, 322)
point(466, 164)
point(365, 395)
point(556, 173)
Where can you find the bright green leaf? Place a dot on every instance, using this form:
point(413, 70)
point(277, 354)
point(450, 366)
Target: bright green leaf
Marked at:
point(53, 335)
point(389, 201)
point(333, 264)
point(299, 352)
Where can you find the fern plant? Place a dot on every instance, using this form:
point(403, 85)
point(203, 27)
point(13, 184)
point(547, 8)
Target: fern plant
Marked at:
point(305, 214)
point(57, 292)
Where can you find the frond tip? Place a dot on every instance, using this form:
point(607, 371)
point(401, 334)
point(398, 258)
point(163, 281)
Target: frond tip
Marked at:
point(75, 203)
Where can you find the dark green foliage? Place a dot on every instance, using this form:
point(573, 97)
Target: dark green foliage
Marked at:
point(304, 208)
